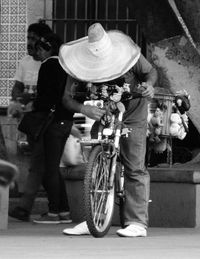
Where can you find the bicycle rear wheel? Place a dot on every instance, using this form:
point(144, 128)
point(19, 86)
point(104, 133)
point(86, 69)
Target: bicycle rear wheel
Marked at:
point(99, 196)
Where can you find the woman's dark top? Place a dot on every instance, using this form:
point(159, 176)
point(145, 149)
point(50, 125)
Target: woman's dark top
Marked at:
point(50, 88)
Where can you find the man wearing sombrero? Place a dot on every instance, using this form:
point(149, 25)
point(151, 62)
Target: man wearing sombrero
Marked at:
point(106, 56)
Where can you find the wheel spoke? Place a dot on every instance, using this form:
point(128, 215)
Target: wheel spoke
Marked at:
point(96, 182)
point(98, 212)
point(99, 196)
point(100, 191)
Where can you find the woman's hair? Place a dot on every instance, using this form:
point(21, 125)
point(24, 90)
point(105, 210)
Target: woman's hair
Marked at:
point(50, 41)
point(39, 29)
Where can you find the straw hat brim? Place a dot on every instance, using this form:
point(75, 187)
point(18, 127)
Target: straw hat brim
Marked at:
point(81, 64)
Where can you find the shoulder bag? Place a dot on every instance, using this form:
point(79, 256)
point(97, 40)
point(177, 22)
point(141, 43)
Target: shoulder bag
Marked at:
point(35, 123)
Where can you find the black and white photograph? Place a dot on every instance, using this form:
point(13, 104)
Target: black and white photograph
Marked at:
point(99, 129)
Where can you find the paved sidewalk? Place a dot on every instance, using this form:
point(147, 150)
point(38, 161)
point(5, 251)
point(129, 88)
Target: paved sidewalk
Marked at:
point(32, 241)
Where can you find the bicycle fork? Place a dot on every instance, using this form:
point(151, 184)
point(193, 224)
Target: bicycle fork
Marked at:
point(116, 147)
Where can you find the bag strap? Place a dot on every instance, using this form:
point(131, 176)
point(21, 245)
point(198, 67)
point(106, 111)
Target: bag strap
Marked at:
point(53, 108)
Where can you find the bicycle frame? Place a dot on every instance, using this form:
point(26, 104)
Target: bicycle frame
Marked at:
point(109, 137)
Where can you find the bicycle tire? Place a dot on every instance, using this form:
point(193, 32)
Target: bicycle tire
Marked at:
point(98, 196)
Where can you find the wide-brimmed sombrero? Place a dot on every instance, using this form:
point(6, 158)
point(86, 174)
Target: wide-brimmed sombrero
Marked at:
point(99, 57)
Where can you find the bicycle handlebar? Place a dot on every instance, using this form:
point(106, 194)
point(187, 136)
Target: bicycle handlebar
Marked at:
point(133, 95)
point(110, 90)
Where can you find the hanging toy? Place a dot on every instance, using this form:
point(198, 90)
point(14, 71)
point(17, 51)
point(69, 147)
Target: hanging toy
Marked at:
point(177, 128)
point(182, 101)
point(156, 125)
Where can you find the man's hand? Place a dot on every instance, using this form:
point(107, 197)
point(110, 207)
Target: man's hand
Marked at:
point(149, 90)
point(92, 112)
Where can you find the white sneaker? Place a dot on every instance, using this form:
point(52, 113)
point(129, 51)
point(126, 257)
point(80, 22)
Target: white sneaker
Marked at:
point(80, 229)
point(132, 231)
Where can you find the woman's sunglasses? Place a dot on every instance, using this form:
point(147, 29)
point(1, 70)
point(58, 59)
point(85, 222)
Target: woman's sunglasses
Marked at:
point(44, 44)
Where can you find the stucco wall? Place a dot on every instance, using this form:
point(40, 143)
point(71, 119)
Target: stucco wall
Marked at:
point(38, 9)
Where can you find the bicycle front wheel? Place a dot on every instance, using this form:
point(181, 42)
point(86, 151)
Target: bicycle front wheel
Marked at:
point(99, 195)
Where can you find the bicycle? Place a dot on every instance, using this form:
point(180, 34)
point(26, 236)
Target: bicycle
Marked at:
point(103, 182)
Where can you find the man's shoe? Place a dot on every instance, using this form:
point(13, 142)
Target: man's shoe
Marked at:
point(20, 213)
point(78, 230)
point(132, 231)
point(47, 218)
point(65, 218)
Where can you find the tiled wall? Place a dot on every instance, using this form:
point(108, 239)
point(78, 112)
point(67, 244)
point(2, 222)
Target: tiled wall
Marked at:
point(13, 26)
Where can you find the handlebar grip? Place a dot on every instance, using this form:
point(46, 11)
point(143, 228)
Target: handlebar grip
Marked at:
point(136, 95)
point(129, 96)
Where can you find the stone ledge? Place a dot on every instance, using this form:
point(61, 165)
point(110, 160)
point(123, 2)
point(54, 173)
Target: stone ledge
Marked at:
point(75, 173)
point(174, 193)
point(174, 175)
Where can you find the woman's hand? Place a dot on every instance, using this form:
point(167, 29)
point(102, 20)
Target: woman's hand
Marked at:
point(28, 107)
point(15, 109)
